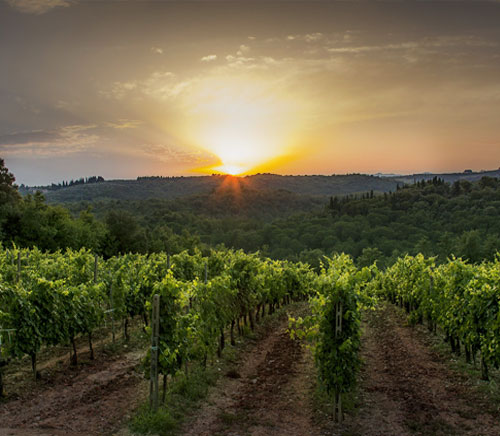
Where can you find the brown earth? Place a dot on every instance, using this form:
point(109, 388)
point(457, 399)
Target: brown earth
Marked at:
point(408, 389)
point(91, 399)
point(269, 394)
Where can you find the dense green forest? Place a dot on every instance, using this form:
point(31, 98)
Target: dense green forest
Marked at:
point(432, 217)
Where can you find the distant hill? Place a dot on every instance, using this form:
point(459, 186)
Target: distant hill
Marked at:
point(145, 188)
point(243, 203)
point(448, 177)
point(174, 187)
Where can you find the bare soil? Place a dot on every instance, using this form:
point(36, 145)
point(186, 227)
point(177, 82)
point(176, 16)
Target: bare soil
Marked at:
point(407, 388)
point(269, 393)
point(93, 398)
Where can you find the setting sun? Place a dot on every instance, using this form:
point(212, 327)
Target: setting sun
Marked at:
point(240, 121)
point(232, 170)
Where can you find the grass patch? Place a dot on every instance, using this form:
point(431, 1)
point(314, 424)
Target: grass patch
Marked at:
point(183, 394)
point(147, 422)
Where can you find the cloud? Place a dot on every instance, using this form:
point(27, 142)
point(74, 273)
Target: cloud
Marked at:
point(120, 89)
point(123, 123)
point(171, 153)
point(161, 85)
point(425, 43)
point(60, 141)
point(209, 58)
point(33, 136)
point(37, 7)
point(242, 61)
point(243, 49)
point(157, 50)
point(65, 105)
point(308, 37)
point(311, 37)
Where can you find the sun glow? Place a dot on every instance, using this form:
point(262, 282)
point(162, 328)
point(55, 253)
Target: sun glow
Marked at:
point(244, 124)
point(241, 145)
point(232, 170)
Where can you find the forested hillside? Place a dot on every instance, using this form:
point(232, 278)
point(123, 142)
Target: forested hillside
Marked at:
point(96, 188)
point(430, 217)
point(176, 187)
point(434, 218)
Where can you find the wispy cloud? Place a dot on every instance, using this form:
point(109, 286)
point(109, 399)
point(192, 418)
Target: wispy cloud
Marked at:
point(240, 61)
point(435, 43)
point(66, 105)
point(161, 85)
point(307, 37)
point(157, 50)
point(119, 89)
point(168, 153)
point(37, 6)
point(124, 124)
point(209, 58)
point(64, 140)
point(243, 49)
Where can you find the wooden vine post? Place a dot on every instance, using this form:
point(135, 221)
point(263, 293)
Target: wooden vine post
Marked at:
point(155, 331)
point(337, 400)
point(112, 311)
point(96, 266)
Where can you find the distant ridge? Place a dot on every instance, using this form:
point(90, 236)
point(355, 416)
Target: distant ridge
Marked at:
point(174, 187)
point(469, 175)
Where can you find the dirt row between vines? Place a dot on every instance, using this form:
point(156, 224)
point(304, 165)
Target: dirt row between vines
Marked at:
point(266, 394)
point(269, 394)
point(406, 388)
point(93, 398)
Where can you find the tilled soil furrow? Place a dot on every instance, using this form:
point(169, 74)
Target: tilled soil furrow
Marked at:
point(91, 401)
point(271, 396)
point(408, 389)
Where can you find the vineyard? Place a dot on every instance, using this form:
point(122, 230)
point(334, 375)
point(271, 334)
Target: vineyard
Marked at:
point(460, 299)
point(51, 299)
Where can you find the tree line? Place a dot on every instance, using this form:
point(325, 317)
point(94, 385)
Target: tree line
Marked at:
point(430, 217)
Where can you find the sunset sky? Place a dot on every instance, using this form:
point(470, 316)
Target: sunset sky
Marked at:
point(135, 87)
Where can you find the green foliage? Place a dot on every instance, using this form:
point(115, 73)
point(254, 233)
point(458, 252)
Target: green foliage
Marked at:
point(432, 218)
point(293, 218)
point(461, 298)
point(337, 289)
point(58, 296)
point(161, 422)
